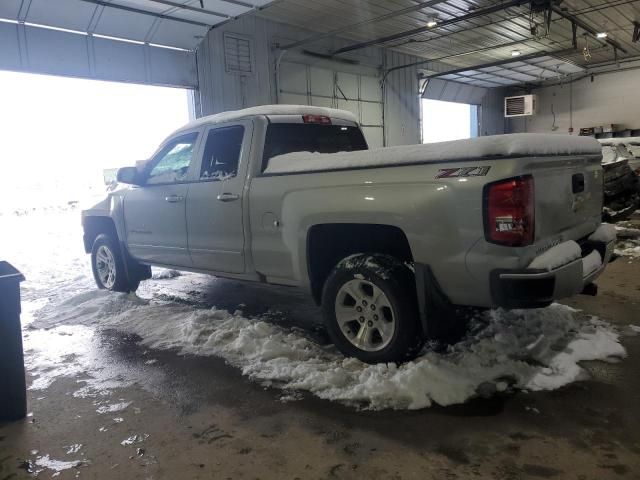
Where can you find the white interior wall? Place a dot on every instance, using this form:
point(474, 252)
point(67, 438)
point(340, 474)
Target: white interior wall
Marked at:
point(491, 113)
point(402, 101)
point(611, 98)
point(220, 90)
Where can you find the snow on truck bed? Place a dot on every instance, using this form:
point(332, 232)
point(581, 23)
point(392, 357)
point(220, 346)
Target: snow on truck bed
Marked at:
point(513, 145)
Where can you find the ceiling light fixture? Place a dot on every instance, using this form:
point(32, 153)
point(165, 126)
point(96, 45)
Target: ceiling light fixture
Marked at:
point(432, 23)
point(516, 53)
point(602, 35)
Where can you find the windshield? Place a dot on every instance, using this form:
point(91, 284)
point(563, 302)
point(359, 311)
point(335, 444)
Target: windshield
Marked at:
point(285, 138)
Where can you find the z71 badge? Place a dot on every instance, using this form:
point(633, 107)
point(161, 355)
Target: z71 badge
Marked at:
point(463, 172)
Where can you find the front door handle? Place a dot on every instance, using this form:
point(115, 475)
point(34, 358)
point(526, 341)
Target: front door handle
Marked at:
point(228, 197)
point(174, 198)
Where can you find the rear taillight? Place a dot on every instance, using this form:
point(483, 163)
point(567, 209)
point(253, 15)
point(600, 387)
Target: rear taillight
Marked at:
point(509, 212)
point(321, 119)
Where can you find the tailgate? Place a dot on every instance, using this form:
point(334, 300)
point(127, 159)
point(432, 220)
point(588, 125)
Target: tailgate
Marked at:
point(568, 192)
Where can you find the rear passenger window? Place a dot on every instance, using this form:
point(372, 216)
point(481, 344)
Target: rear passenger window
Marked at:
point(222, 153)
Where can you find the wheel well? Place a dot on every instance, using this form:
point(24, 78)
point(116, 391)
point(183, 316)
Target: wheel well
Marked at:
point(94, 226)
point(327, 244)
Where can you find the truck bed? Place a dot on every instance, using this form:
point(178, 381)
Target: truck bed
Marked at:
point(491, 147)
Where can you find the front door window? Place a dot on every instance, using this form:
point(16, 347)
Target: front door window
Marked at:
point(171, 164)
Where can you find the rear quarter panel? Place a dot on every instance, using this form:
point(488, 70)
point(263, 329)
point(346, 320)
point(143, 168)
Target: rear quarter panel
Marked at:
point(442, 218)
point(283, 208)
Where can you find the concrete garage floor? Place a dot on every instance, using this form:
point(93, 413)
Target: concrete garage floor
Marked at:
point(196, 417)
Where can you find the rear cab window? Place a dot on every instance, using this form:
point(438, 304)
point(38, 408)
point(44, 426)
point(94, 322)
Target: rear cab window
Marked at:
point(222, 153)
point(283, 138)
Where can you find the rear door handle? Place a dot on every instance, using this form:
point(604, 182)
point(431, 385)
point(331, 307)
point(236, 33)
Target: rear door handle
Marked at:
point(228, 197)
point(174, 198)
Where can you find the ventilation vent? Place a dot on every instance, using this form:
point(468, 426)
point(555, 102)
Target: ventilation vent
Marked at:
point(519, 106)
point(238, 54)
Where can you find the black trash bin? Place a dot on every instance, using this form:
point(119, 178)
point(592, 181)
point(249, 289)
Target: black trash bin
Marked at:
point(13, 391)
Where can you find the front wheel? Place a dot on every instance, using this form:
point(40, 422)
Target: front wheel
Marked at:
point(370, 309)
point(108, 267)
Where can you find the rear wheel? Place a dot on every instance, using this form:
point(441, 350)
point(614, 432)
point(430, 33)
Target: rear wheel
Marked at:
point(370, 309)
point(108, 267)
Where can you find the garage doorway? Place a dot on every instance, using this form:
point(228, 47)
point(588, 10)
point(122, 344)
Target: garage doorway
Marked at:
point(63, 136)
point(444, 121)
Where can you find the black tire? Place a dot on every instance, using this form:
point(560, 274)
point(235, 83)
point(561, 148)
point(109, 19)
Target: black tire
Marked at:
point(121, 283)
point(397, 283)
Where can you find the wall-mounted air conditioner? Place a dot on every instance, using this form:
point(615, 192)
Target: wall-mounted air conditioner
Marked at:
point(520, 106)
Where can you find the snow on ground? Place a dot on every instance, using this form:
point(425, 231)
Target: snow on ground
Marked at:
point(69, 324)
point(532, 350)
point(165, 274)
point(628, 243)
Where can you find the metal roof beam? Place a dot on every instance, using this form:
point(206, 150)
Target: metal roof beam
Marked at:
point(145, 12)
point(369, 21)
point(545, 69)
point(499, 63)
point(470, 78)
point(583, 25)
point(499, 75)
point(184, 6)
point(461, 54)
point(409, 33)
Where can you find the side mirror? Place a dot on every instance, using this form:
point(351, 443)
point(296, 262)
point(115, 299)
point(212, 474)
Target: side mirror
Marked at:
point(128, 175)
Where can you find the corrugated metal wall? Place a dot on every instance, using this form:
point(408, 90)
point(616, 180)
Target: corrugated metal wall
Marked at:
point(492, 120)
point(221, 90)
point(402, 101)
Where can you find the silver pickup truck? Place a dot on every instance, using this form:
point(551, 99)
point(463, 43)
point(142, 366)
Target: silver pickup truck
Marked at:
point(391, 242)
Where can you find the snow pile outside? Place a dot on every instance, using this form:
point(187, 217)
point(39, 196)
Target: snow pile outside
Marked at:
point(47, 248)
point(533, 350)
point(628, 243)
point(628, 248)
point(557, 256)
point(513, 145)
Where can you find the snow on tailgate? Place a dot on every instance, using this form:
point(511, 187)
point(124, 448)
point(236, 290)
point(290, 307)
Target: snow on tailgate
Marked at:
point(513, 145)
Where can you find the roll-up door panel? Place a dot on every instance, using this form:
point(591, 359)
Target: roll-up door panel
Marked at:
point(350, 105)
point(370, 89)
point(348, 84)
point(321, 81)
point(371, 113)
point(293, 78)
point(293, 99)
point(374, 136)
point(322, 102)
